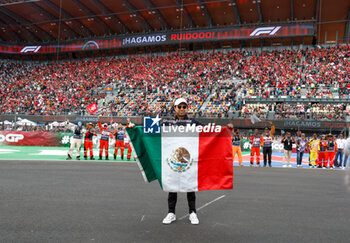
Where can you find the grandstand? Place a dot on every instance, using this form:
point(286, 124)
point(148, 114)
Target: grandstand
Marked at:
point(214, 82)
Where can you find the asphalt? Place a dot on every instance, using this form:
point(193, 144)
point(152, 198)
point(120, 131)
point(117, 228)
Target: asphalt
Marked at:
point(68, 201)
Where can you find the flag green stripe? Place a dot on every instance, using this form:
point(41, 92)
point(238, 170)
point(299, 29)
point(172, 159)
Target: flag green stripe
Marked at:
point(148, 150)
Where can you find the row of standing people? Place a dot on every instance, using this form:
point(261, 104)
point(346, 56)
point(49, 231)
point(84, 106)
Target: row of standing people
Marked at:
point(257, 141)
point(107, 132)
point(324, 153)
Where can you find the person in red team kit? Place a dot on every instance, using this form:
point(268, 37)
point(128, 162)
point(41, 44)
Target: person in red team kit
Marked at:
point(255, 148)
point(104, 141)
point(88, 145)
point(331, 150)
point(128, 147)
point(119, 141)
point(321, 155)
point(127, 140)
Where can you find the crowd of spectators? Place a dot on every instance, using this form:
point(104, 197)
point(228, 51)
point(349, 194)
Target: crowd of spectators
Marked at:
point(144, 84)
point(50, 88)
point(298, 111)
point(316, 111)
point(284, 73)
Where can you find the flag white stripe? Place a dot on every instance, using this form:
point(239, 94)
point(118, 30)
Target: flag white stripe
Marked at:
point(172, 180)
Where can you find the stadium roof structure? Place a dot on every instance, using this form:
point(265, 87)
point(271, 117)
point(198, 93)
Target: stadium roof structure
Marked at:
point(39, 21)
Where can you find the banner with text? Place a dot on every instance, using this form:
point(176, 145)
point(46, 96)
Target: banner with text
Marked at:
point(135, 40)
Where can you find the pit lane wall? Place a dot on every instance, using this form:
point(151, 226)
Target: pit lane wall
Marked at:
point(50, 139)
point(63, 139)
point(46, 139)
point(286, 124)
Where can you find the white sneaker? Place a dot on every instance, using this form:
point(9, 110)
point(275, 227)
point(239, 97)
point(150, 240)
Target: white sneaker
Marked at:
point(169, 218)
point(193, 218)
point(284, 165)
point(343, 168)
point(289, 165)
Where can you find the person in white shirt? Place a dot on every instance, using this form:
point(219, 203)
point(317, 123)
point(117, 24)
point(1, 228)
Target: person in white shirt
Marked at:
point(78, 132)
point(341, 145)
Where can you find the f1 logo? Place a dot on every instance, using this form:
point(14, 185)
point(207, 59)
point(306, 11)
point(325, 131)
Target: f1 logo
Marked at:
point(30, 49)
point(265, 30)
point(151, 124)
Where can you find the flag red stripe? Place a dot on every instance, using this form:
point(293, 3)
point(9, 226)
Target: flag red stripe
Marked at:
point(215, 164)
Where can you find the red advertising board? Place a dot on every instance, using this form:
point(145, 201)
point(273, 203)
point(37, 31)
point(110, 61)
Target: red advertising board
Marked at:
point(167, 38)
point(48, 139)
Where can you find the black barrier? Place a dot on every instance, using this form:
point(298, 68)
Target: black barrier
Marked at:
point(286, 124)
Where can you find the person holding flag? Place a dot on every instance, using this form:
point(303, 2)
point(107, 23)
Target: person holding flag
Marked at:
point(184, 156)
point(77, 139)
point(180, 118)
point(88, 144)
point(104, 141)
point(119, 141)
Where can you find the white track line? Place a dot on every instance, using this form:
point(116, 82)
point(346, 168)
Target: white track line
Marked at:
point(142, 218)
point(207, 204)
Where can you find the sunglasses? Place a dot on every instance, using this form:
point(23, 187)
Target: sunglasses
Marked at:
point(182, 106)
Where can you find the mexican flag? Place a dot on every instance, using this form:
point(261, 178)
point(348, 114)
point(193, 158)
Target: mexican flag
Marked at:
point(185, 161)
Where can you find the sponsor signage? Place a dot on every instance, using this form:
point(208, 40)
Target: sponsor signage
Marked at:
point(34, 49)
point(29, 138)
point(265, 30)
point(297, 123)
point(11, 138)
point(169, 38)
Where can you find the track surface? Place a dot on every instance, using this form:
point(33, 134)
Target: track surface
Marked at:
point(72, 201)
